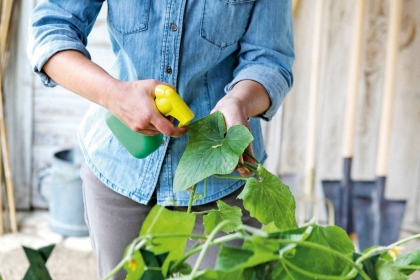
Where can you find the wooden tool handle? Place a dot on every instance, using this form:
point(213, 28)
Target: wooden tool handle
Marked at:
point(394, 26)
point(313, 98)
point(353, 81)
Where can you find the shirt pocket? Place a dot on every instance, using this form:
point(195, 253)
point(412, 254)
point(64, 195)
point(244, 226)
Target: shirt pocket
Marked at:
point(129, 16)
point(224, 22)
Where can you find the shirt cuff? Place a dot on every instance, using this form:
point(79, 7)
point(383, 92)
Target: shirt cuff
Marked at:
point(273, 82)
point(45, 52)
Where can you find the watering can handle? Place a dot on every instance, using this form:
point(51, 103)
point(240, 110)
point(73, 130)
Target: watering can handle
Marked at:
point(47, 171)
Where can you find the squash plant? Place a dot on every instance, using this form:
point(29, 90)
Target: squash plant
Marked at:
point(279, 250)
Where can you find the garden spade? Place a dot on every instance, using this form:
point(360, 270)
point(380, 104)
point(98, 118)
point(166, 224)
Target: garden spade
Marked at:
point(377, 219)
point(340, 192)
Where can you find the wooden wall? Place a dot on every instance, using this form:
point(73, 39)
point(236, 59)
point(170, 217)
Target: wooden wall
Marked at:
point(42, 121)
point(404, 166)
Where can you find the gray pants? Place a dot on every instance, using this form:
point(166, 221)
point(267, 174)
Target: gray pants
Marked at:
point(114, 221)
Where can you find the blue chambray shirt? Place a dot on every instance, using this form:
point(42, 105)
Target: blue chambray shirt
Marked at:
point(202, 47)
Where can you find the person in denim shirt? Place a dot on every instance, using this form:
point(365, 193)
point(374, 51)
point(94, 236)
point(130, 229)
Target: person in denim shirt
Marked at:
point(233, 56)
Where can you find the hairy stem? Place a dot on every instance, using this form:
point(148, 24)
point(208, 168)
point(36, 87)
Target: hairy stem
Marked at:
point(230, 177)
point(251, 156)
point(380, 250)
point(220, 240)
point(191, 198)
point(124, 260)
point(206, 246)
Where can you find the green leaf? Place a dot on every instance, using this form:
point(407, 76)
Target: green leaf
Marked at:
point(368, 266)
point(37, 260)
point(225, 212)
point(135, 266)
point(269, 200)
point(210, 150)
point(316, 260)
point(412, 258)
point(271, 227)
point(261, 271)
point(217, 275)
point(183, 268)
point(229, 257)
point(385, 271)
point(265, 250)
point(163, 221)
point(250, 262)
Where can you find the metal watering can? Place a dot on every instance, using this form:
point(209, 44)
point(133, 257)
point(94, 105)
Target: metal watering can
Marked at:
point(65, 203)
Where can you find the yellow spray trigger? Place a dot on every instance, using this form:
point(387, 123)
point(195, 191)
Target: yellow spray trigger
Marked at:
point(169, 103)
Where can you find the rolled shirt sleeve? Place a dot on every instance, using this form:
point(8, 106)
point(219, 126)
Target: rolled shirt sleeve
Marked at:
point(267, 52)
point(57, 26)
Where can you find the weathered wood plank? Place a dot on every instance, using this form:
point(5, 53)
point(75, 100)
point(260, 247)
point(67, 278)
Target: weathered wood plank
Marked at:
point(18, 107)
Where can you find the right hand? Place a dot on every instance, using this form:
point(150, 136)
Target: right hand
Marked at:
point(133, 103)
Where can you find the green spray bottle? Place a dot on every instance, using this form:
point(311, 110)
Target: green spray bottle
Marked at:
point(169, 103)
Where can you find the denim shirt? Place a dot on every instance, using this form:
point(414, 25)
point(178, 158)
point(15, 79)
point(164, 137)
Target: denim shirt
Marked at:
point(202, 47)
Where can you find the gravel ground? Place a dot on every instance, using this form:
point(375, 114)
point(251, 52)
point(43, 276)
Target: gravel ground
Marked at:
point(72, 257)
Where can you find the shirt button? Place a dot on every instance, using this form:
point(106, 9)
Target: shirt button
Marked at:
point(174, 27)
point(169, 70)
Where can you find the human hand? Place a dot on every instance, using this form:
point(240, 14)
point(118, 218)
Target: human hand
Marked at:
point(234, 114)
point(133, 103)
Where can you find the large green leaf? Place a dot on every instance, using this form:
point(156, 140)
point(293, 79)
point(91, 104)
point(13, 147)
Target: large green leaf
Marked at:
point(210, 150)
point(225, 212)
point(385, 271)
point(230, 257)
point(163, 221)
point(316, 260)
point(269, 200)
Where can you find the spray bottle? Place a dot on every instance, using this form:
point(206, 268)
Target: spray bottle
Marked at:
point(169, 103)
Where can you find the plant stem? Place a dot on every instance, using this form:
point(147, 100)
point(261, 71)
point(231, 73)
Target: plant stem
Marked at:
point(124, 260)
point(413, 267)
point(286, 269)
point(314, 275)
point(405, 240)
point(380, 250)
point(201, 213)
point(206, 246)
point(230, 177)
point(356, 267)
point(251, 156)
point(250, 166)
point(254, 230)
point(217, 241)
point(191, 199)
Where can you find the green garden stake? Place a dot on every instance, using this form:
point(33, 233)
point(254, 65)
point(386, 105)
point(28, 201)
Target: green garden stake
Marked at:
point(37, 260)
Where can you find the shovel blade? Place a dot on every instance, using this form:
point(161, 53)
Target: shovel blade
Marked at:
point(393, 213)
point(378, 220)
point(332, 192)
point(340, 193)
point(364, 214)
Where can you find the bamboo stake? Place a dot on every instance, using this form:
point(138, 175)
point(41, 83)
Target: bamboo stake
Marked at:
point(7, 8)
point(295, 5)
point(1, 199)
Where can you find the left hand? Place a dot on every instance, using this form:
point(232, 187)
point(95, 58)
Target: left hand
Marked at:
point(246, 99)
point(234, 114)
